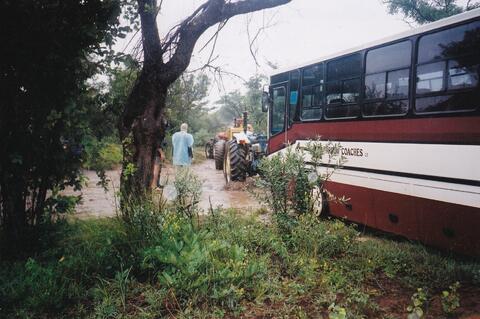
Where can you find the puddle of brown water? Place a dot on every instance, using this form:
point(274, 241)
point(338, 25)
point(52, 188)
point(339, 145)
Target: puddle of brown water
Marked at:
point(213, 189)
point(95, 201)
point(98, 203)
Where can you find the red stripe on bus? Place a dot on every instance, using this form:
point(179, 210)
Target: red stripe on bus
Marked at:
point(448, 130)
point(439, 224)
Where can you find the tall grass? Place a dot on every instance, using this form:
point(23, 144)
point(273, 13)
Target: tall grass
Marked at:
point(227, 264)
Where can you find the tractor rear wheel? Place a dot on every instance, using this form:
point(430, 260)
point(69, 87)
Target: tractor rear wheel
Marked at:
point(219, 153)
point(235, 164)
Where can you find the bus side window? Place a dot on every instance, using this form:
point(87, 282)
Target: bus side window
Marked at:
point(343, 87)
point(448, 70)
point(387, 78)
point(312, 92)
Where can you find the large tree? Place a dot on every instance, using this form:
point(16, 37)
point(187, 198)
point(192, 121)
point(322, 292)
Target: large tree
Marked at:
point(142, 126)
point(49, 49)
point(425, 11)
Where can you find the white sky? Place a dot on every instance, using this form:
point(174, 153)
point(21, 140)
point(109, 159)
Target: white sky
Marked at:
point(301, 31)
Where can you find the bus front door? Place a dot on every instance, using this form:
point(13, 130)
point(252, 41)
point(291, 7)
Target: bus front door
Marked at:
point(278, 118)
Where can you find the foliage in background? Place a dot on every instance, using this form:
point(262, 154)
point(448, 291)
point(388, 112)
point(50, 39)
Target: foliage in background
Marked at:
point(109, 98)
point(43, 72)
point(101, 143)
point(186, 102)
point(233, 104)
point(425, 11)
point(101, 155)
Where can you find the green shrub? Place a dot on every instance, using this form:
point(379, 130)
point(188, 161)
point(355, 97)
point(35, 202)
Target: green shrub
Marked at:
point(142, 219)
point(202, 136)
point(248, 232)
point(415, 265)
point(95, 248)
point(188, 188)
point(101, 155)
point(322, 239)
point(450, 298)
point(290, 187)
point(201, 268)
point(35, 287)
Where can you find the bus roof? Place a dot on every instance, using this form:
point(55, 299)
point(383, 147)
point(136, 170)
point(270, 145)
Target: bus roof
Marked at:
point(424, 28)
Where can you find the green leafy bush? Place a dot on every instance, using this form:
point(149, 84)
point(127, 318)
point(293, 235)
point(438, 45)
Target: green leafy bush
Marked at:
point(101, 155)
point(36, 287)
point(292, 188)
point(416, 309)
point(202, 136)
point(188, 188)
point(322, 239)
point(200, 268)
point(450, 298)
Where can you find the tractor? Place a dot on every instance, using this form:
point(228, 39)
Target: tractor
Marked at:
point(239, 150)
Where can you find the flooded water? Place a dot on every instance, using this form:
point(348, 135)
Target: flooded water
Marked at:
point(214, 188)
point(98, 203)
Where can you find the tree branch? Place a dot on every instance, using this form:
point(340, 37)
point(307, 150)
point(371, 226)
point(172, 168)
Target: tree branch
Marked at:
point(211, 13)
point(152, 50)
point(251, 41)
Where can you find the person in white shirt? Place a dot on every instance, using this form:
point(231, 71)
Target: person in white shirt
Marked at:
point(181, 142)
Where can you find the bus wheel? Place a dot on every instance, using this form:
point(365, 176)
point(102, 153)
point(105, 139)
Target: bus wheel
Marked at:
point(218, 154)
point(320, 205)
point(235, 166)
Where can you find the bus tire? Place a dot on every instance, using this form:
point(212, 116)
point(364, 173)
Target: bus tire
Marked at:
point(320, 207)
point(235, 166)
point(218, 154)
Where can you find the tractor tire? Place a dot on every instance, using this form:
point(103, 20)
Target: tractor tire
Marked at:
point(235, 165)
point(209, 150)
point(219, 153)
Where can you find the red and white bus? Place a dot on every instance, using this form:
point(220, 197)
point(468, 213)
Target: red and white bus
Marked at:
point(406, 111)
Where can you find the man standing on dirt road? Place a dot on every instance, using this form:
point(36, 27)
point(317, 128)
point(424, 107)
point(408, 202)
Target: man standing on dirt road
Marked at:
point(182, 143)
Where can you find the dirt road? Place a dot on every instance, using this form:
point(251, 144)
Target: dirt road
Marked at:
point(235, 195)
point(98, 203)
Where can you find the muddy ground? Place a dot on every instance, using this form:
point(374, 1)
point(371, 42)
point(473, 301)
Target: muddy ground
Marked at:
point(98, 203)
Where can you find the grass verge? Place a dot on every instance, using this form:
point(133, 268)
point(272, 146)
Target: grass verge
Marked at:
point(162, 265)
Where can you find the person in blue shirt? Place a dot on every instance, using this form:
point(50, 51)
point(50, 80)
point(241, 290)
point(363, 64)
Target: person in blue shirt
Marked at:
point(181, 141)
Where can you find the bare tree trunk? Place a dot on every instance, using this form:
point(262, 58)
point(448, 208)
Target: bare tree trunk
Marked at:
point(40, 198)
point(143, 138)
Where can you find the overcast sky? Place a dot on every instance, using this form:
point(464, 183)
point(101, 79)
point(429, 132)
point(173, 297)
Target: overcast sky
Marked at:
point(300, 31)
